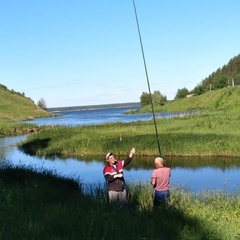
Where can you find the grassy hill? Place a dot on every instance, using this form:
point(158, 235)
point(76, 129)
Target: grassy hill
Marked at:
point(227, 98)
point(15, 107)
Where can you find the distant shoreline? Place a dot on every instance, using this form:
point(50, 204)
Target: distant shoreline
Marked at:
point(87, 107)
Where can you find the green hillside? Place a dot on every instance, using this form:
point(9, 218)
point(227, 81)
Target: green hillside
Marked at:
point(227, 75)
point(227, 99)
point(15, 107)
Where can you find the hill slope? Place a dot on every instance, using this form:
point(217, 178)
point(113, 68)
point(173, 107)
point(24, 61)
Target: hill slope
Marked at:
point(228, 75)
point(227, 99)
point(14, 107)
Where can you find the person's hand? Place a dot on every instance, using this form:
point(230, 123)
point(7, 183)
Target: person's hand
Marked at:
point(133, 150)
point(119, 175)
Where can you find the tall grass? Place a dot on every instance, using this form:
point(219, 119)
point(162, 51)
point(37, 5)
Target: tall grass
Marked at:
point(12, 129)
point(212, 131)
point(203, 134)
point(41, 205)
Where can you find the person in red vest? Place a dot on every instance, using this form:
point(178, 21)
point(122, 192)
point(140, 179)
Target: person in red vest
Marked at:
point(161, 182)
point(113, 173)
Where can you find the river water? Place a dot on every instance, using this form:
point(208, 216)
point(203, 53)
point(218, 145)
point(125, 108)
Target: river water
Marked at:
point(194, 174)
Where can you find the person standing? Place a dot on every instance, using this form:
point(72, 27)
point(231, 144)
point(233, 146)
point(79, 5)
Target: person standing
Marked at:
point(113, 173)
point(161, 182)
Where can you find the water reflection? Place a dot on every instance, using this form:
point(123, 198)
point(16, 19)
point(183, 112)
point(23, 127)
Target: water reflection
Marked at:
point(196, 174)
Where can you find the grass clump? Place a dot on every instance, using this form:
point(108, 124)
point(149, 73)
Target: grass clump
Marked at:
point(211, 131)
point(195, 135)
point(13, 129)
point(41, 205)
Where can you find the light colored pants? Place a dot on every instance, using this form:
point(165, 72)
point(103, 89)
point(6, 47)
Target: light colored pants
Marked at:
point(118, 197)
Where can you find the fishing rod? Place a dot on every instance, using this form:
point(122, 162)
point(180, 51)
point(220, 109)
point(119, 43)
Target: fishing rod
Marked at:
point(146, 72)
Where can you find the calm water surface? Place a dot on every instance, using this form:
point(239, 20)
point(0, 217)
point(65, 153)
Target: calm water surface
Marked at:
point(98, 116)
point(193, 174)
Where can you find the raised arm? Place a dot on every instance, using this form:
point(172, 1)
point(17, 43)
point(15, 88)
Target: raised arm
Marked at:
point(130, 156)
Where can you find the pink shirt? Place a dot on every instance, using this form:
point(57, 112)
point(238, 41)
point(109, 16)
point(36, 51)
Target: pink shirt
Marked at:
point(162, 176)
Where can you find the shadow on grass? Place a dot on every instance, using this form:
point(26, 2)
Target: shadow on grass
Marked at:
point(45, 206)
point(31, 148)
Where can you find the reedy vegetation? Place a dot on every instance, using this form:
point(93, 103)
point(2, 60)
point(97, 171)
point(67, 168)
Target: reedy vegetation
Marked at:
point(40, 205)
point(211, 131)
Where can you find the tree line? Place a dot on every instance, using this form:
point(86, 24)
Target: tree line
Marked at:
point(228, 75)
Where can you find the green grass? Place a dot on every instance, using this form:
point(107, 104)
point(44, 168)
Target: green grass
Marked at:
point(204, 134)
point(41, 205)
point(212, 131)
point(14, 107)
point(222, 99)
point(12, 129)
point(38, 204)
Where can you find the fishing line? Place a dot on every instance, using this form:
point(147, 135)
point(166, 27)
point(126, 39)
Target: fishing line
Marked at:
point(146, 72)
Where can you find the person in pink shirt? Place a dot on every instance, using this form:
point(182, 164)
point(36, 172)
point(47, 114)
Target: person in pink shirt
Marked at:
point(161, 182)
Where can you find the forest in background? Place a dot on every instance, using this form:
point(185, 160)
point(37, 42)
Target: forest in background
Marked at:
point(227, 75)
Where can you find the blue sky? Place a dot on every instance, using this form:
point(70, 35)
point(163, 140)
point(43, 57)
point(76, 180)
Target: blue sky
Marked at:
point(87, 52)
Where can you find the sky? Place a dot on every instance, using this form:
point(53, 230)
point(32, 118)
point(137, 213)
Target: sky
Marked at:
point(88, 52)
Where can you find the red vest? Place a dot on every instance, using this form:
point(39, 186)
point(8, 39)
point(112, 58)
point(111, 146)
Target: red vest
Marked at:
point(114, 184)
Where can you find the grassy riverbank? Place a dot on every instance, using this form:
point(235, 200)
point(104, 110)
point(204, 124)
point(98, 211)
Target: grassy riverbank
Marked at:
point(15, 108)
point(213, 131)
point(37, 204)
point(200, 135)
point(44, 206)
point(225, 99)
point(12, 129)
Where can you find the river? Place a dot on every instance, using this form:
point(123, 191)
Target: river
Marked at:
point(194, 174)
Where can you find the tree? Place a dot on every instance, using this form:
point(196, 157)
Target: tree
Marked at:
point(42, 103)
point(145, 99)
point(220, 82)
point(157, 98)
point(198, 90)
point(222, 77)
point(181, 93)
